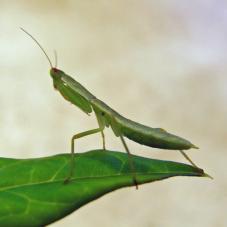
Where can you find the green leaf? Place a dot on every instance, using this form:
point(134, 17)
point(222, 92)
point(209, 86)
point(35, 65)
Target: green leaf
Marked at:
point(33, 193)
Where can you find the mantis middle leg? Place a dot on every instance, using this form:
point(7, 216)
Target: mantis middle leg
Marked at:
point(103, 140)
point(77, 136)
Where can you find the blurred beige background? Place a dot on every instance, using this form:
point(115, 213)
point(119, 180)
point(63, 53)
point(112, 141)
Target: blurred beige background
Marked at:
point(161, 63)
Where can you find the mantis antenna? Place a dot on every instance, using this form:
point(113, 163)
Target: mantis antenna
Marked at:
point(55, 59)
point(39, 47)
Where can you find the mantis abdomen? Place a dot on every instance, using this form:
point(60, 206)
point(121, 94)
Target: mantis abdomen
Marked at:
point(153, 137)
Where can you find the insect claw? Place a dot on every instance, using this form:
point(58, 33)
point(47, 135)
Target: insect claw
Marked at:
point(67, 180)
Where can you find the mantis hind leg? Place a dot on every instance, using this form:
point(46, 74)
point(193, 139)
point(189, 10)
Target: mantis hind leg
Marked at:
point(186, 157)
point(77, 136)
point(132, 167)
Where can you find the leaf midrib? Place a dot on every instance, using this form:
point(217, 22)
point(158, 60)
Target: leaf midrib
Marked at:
point(94, 177)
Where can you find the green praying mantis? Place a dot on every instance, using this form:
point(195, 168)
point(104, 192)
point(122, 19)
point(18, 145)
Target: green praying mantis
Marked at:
point(122, 127)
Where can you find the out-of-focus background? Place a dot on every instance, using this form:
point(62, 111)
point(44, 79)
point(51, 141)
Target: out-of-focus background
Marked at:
point(161, 63)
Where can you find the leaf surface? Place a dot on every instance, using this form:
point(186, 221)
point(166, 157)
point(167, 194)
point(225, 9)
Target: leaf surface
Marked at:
point(33, 193)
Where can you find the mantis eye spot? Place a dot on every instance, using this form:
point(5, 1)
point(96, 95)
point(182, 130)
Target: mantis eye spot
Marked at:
point(102, 113)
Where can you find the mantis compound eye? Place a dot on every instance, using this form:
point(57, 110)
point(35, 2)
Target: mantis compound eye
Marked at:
point(55, 70)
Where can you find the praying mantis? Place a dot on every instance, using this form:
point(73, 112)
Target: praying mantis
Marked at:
point(122, 127)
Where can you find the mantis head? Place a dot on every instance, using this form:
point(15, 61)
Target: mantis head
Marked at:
point(56, 73)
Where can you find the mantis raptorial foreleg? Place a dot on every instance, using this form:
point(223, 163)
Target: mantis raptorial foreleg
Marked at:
point(77, 136)
point(132, 167)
